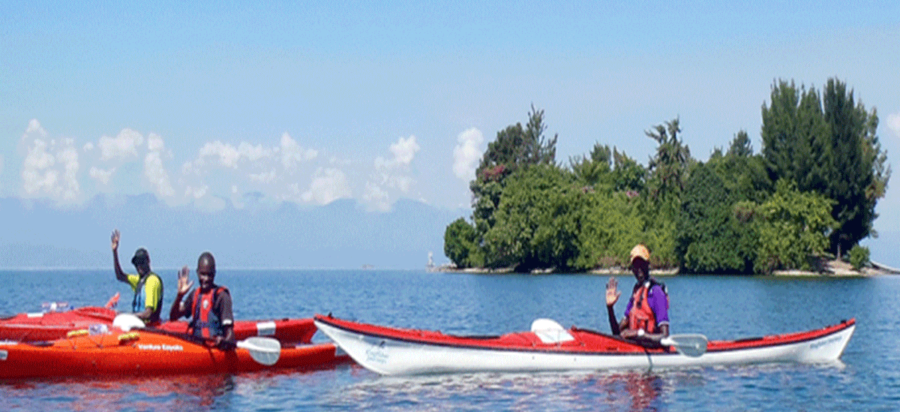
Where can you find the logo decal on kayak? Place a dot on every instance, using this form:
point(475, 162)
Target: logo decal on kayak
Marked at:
point(3, 355)
point(826, 342)
point(377, 354)
point(167, 348)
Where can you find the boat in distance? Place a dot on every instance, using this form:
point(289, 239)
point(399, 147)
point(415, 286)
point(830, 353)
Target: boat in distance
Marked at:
point(549, 347)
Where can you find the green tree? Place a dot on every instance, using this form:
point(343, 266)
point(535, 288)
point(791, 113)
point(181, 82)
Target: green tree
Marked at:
point(516, 147)
point(708, 237)
point(856, 176)
point(668, 169)
point(460, 245)
point(793, 226)
point(536, 221)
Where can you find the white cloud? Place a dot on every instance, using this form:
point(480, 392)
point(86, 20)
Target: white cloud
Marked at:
point(292, 153)
point(467, 153)
point(50, 168)
point(227, 154)
point(376, 199)
point(391, 173)
point(88, 147)
point(34, 127)
point(893, 123)
point(264, 177)
point(327, 186)
point(101, 175)
point(404, 150)
point(154, 170)
point(124, 145)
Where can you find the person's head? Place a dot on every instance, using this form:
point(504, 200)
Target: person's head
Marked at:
point(141, 261)
point(640, 262)
point(206, 270)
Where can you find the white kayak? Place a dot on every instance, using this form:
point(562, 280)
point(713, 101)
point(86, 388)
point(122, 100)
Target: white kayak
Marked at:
point(549, 347)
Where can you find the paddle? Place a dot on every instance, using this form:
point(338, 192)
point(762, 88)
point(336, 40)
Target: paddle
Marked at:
point(693, 345)
point(265, 351)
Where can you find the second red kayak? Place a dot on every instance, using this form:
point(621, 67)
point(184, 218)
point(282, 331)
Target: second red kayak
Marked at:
point(36, 327)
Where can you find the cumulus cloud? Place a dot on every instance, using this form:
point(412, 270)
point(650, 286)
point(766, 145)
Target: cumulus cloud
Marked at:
point(376, 199)
point(51, 166)
point(391, 173)
point(124, 145)
point(264, 177)
point(34, 129)
point(327, 186)
point(893, 123)
point(467, 153)
point(101, 175)
point(292, 153)
point(154, 170)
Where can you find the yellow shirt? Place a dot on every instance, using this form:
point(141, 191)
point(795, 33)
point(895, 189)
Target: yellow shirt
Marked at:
point(152, 289)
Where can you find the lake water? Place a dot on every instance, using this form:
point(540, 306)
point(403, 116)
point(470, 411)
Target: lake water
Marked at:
point(866, 378)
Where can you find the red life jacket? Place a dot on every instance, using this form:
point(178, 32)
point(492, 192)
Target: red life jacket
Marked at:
point(205, 322)
point(641, 315)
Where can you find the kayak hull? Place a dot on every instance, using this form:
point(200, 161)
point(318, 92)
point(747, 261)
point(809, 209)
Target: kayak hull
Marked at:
point(392, 351)
point(145, 353)
point(37, 327)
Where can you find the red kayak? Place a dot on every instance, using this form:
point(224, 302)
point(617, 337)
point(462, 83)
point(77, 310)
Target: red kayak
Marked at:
point(151, 353)
point(35, 327)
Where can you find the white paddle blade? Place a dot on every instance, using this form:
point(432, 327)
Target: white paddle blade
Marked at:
point(550, 331)
point(693, 345)
point(127, 321)
point(263, 350)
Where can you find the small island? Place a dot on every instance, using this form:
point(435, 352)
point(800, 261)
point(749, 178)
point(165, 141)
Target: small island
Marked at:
point(798, 207)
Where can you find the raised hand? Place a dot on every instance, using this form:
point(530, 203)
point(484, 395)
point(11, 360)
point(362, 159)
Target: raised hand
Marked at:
point(612, 291)
point(115, 239)
point(184, 282)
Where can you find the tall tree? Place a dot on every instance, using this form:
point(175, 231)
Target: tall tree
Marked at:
point(516, 147)
point(668, 169)
point(857, 176)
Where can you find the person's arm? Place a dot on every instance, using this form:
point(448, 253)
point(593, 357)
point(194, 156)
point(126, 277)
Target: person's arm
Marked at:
point(612, 296)
point(121, 276)
point(227, 340)
point(180, 309)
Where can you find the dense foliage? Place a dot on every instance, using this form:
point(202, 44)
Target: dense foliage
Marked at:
point(810, 192)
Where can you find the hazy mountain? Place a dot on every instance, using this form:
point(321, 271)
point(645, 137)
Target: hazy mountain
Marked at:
point(338, 235)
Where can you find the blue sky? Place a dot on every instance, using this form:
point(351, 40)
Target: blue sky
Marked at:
point(207, 102)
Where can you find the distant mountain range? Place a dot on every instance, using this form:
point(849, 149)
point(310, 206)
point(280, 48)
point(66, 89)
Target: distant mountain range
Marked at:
point(340, 235)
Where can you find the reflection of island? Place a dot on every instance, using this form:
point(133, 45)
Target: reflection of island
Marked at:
point(367, 266)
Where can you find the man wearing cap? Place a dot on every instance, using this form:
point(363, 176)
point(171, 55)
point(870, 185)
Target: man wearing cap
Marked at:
point(647, 314)
point(147, 286)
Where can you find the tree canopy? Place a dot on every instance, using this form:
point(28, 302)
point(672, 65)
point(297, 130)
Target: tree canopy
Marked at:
point(811, 191)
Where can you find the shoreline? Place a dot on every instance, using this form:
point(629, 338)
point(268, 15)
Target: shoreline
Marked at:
point(831, 269)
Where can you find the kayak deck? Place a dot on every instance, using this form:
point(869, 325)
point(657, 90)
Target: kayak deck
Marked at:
point(35, 327)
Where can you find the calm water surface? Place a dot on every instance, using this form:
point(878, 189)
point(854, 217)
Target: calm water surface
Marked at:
point(866, 378)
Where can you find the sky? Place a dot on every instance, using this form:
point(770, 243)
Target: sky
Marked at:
point(205, 103)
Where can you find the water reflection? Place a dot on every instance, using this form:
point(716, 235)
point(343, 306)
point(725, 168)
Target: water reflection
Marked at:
point(178, 392)
point(492, 391)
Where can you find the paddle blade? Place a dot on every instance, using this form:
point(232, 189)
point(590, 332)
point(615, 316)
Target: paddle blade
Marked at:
point(693, 345)
point(127, 322)
point(265, 351)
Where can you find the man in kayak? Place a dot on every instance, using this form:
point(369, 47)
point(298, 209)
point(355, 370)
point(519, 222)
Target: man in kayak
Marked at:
point(647, 314)
point(208, 306)
point(147, 286)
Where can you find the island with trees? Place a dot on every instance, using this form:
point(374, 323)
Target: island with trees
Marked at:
point(807, 197)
